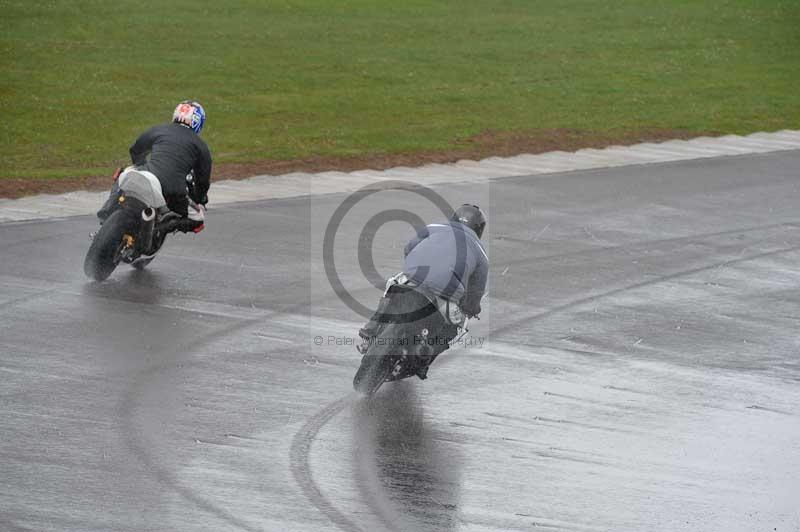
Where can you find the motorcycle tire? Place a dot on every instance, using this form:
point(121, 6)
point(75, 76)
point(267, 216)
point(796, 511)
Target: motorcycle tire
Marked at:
point(376, 365)
point(104, 253)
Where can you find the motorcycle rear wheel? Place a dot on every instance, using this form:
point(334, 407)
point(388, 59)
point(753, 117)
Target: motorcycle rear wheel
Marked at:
point(104, 253)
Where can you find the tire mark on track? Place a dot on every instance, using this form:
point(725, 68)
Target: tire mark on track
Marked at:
point(676, 275)
point(139, 448)
point(645, 243)
point(301, 444)
point(300, 463)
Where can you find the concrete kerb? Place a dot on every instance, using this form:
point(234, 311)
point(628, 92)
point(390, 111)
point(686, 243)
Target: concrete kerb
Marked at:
point(263, 187)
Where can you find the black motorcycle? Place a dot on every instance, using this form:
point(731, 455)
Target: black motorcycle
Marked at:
point(136, 228)
point(405, 347)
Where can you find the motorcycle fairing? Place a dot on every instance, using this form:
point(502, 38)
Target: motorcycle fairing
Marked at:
point(142, 185)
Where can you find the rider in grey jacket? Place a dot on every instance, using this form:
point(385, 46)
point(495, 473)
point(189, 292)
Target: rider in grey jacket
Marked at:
point(450, 260)
point(447, 260)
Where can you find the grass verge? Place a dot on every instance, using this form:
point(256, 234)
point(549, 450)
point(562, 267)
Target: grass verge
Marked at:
point(291, 81)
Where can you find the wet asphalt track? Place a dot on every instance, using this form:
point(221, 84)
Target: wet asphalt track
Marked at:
point(639, 370)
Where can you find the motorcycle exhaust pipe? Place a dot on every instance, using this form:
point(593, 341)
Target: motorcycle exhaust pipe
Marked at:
point(148, 226)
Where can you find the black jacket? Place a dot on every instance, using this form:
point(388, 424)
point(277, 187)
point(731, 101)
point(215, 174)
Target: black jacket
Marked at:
point(175, 150)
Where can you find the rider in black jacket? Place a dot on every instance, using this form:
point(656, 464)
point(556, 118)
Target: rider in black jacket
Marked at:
point(175, 150)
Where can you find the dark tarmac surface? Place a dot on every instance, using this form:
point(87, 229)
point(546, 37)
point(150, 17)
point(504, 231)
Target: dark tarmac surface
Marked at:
point(638, 370)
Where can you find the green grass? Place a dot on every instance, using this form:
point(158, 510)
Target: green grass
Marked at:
point(289, 79)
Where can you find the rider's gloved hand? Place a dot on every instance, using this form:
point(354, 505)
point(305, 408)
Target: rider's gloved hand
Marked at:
point(196, 210)
point(199, 200)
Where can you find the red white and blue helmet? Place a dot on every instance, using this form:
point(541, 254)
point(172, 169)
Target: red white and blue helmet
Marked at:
point(190, 114)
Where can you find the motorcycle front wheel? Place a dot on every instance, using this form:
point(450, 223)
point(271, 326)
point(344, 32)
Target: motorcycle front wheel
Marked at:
point(378, 363)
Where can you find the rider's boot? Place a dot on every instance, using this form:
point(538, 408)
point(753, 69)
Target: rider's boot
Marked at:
point(194, 219)
point(422, 371)
point(187, 225)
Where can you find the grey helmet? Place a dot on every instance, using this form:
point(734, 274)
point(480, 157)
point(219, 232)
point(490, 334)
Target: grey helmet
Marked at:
point(472, 216)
